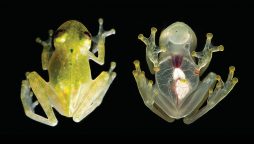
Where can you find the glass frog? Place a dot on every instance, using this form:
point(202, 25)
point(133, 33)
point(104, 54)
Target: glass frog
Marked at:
point(71, 89)
point(178, 91)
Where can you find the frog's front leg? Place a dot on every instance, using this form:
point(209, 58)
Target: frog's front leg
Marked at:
point(99, 43)
point(93, 98)
point(46, 98)
point(152, 50)
point(205, 56)
point(215, 95)
point(148, 92)
point(47, 50)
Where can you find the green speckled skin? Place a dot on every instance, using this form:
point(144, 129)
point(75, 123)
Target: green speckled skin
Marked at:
point(71, 89)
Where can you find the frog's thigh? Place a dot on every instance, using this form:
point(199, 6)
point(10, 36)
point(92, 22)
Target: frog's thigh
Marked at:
point(157, 110)
point(147, 92)
point(199, 97)
point(215, 95)
point(42, 92)
point(94, 96)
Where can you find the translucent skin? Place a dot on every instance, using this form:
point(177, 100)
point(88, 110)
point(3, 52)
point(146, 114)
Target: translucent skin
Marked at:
point(178, 40)
point(71, 89)
point(178, 91)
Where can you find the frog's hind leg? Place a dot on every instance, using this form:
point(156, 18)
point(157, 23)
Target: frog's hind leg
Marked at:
point(215, 95)
point(148, 92)
point(44, 95)
point(95, 95)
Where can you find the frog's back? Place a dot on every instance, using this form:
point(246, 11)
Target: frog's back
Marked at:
point(69, 68)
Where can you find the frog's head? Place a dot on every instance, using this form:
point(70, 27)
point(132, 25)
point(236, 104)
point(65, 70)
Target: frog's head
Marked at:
point(178, 39)
point(72, 35)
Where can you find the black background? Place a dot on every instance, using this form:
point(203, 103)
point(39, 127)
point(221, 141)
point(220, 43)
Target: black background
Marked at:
point(122, 110)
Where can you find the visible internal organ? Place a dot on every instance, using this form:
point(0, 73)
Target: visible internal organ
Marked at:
point(181, 88)
point(181, 85)
point(177, 61)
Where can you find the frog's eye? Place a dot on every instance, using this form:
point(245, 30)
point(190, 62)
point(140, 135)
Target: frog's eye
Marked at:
point(60, 36)
point(87, 34)
point(59, 33)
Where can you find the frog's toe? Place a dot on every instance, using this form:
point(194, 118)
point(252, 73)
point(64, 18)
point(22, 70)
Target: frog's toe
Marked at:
point(108, 33)
point(112, 66)
point(137, 65)
point(231, 77)
point(27, 96)
point(100, 20)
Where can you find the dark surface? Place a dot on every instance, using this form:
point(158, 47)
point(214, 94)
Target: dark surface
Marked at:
point(123, 110)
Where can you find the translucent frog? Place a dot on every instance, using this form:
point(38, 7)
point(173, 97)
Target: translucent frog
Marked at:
point(71, 89)
point(178, 92)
